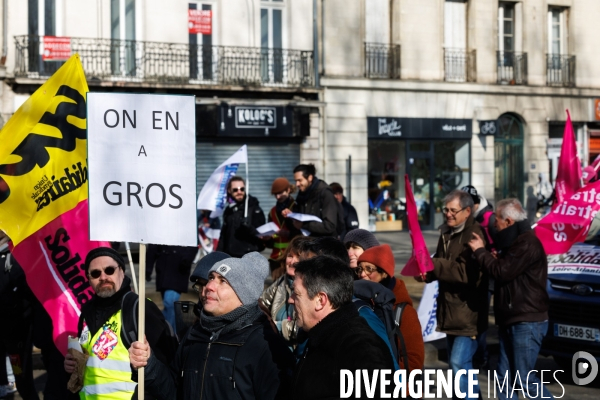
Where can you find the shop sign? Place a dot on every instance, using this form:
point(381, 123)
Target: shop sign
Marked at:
point(199, 21)
point(258, 121)
point(419, 128)
point(56, 48)
point(597, 109)
point(489, 127)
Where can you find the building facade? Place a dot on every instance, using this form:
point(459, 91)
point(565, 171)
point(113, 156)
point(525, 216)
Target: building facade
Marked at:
point(454, 93)
point(451, 92)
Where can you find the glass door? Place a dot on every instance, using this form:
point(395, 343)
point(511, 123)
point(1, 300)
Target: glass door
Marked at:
point(419, 160)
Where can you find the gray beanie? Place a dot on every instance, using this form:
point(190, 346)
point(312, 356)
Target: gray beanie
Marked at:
point(361, 237)
point(246, 275)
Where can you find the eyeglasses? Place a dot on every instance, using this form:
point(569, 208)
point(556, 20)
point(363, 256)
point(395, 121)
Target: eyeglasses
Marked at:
point(446, 210)
point(108, 271)
point(238, 189)
point(368, 270)
point(197, 286)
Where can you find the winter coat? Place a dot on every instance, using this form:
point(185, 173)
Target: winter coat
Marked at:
point(462, 301)
point(521, 274)
point(275, 298)
point(173, 265)
point(318, 200)
point(249, 363)
point(350, 217)
point(342, 340)
point(410, 328)
point(238, 237)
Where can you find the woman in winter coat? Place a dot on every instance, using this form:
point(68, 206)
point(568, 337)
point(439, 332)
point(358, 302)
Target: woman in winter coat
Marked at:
point(275, 298)
point(377, 264)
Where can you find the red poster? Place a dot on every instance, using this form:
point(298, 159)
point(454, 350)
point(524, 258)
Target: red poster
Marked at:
point(200, 21)
point(56, 48)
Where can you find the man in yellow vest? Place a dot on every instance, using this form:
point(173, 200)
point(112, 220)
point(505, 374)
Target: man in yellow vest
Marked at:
point(102, 333)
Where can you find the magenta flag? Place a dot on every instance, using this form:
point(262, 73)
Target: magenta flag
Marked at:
point(568, 178)
point(570, 220)
point(53, 259)
point(420, 261)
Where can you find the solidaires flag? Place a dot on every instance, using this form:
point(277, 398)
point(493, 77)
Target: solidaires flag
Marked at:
point(43, 195)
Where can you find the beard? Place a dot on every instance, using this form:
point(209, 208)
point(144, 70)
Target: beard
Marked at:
point(106, 291)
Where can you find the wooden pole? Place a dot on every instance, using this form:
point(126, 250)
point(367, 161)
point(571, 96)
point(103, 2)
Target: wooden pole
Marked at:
point(142, 314)
point(135, 285)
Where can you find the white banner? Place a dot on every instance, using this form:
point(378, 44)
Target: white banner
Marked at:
point(142, 168)
point(427, 312)
point(213, 196)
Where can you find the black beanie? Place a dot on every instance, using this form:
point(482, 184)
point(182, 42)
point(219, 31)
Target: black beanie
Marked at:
point(361, 237)
point(103, 252)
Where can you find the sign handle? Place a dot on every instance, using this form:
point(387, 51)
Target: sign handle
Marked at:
point(142, 315)
point(135, 285)
point(247, 193)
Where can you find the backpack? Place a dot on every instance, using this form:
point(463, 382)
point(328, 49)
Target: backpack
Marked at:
point(381, 300)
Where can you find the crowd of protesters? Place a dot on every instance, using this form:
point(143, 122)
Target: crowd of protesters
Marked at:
point(333, 288)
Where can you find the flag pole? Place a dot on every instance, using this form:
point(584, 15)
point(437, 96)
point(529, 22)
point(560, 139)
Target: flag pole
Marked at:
point(135, 285)
point(142, 315)
point(247, 192)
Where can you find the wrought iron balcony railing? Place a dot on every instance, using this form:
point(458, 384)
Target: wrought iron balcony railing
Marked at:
point(560, 70)
point(174, 63)
point(512, 67)
point(460, 65)
point(382, 60)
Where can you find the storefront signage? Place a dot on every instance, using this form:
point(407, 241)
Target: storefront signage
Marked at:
point(255, 117)
point(597, 109)
point(488, 127)
point(419, 128)
point(255, 121)
point(56, 48)
point(199, 21)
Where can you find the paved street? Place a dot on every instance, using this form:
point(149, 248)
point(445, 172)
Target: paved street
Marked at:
point(435, 352)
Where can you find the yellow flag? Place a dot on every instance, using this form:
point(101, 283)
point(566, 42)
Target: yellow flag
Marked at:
point(43, 151)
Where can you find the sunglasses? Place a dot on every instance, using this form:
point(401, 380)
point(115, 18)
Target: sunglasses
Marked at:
point(238, 189)
point(368, 270)
point(108, 271)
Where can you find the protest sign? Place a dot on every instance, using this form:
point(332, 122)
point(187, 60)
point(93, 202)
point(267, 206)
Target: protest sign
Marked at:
point(142, 169)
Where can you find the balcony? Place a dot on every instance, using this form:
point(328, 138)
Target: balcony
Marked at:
point(560, 70)
point(512, 68)
point(460, 65)
point(171, 63)
point(382, 61)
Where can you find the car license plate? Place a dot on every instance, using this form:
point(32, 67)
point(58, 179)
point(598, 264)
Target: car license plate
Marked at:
point(576, 332)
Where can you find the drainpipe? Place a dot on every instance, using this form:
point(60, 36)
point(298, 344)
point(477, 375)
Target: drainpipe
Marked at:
point(315, 44)
point(4, 31)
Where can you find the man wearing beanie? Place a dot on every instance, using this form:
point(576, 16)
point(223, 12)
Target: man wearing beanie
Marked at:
point(232, 351)
point(282, 189)
point(101, 332)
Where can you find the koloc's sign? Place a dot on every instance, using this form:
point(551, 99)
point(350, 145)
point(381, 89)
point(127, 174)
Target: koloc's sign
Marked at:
point(142, 168)
point(256, 117)
point(255, 121)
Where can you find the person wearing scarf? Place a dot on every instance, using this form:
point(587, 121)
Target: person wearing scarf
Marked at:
point(232, 351)
point(520, 271)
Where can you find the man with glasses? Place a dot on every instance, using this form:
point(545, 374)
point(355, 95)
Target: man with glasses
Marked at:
point(462, 301)
point(101, 332)
point(238, 233)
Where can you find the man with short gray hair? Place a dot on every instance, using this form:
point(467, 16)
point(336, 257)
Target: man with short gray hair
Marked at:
point(462, 300)
point(520, 270)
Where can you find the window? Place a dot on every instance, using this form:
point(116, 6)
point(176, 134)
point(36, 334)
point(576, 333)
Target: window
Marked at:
point(271, 40)
point(557, 31)
point(42, 21)
point(202, 54)
point(122, 33)
point(506, 27)
point(458, 67)
point(377, 14)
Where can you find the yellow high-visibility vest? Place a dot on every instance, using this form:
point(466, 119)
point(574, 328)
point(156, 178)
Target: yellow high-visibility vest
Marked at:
point(107, 373)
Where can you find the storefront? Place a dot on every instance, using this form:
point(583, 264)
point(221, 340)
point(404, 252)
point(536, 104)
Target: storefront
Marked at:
point(434, 152)
point(273, 134)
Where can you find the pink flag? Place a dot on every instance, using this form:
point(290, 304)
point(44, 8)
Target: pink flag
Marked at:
point(568, 178)
point(53, 260)
point(570, 220)
point(420, 261)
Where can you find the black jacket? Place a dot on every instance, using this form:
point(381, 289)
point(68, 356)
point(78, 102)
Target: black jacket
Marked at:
point(238, 237)
point(249, 363)
point(521, 274)
point(318, 200)
point(173, 265)
point(342, 340)
point(350, 217)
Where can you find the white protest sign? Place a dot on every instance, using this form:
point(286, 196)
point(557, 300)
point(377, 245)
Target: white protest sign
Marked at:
point(142, 168)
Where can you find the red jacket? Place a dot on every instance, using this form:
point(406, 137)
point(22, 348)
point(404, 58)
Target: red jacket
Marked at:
point(410, 328)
